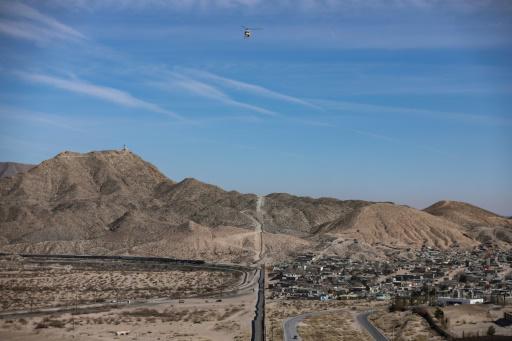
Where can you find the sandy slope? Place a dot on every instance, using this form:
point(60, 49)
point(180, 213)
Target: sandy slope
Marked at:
point(393, 224)
point(481, 224)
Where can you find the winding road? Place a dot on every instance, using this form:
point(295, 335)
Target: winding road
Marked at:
point(247, 284)
point(290, 332)
point(362, 319)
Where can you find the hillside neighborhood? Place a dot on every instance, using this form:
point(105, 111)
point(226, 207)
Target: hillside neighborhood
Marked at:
point(453, 276)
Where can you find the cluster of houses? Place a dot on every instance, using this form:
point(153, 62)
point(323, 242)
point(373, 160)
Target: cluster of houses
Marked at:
point(454, 276)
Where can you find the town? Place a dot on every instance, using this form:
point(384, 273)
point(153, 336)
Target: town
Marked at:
point(438, 277)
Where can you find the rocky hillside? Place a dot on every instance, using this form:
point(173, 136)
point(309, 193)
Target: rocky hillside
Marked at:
point(481, 224)
point(113, 202)
point(13, 168)
point(303, 215)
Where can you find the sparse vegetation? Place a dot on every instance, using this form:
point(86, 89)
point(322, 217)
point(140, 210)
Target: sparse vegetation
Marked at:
point(33, 286)
point(48, 322)
point(438, 314)
point(336, 327)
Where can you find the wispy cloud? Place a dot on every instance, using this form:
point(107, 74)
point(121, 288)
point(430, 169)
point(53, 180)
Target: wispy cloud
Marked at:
point(351, 107)
point(102, 92)
point(211, 92)
point(276, 5)
point(27, 146)
point(26, 22)
point(249, 87)
point(394, 140)
point(9, 112)
point(375, 135)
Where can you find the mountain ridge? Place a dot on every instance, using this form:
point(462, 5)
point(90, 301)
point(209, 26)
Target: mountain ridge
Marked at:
point(114, 202)
point(481, 224)
point(8, 169)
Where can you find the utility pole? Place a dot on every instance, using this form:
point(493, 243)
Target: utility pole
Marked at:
point(272, 330)
point(31, 302)
point(76, 309)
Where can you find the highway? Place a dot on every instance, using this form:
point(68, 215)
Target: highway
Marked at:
point(251, 280)
point(245, 286)
point(290, 325)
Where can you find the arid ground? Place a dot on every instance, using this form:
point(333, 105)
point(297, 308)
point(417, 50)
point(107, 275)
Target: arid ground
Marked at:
point(404, 326)
point(335, 326)
point(27, 285)
point(474, 319)
point(278, 310)
point(150, 302)
point(194, 319)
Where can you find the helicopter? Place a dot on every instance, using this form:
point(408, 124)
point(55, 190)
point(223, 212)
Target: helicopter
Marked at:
point(248, 31)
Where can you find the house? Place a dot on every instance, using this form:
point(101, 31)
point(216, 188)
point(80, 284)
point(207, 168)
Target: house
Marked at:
point(382, 297)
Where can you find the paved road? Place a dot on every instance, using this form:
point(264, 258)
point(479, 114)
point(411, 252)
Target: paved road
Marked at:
point(362, 319)
point(245, 286)
point(290, 325)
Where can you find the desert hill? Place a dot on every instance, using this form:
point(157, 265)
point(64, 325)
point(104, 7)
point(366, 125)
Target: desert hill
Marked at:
point(481, 224)
point(303, 214)
point(466, 214)
point(13, 168)
point(113, 202)
point(398, 225)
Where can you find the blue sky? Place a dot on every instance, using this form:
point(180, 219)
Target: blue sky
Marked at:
point(406, 101)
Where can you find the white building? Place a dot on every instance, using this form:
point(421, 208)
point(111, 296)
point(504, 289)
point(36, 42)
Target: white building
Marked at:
point(451, 300)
